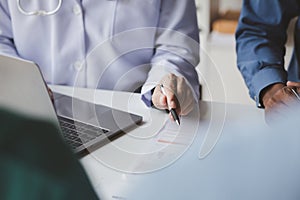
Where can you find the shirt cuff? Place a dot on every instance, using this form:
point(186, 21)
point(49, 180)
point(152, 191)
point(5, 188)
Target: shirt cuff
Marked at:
point(263, 79)
point(147, 98)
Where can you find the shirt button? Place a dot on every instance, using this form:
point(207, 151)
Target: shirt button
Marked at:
point(78, 65)
point(77, 9)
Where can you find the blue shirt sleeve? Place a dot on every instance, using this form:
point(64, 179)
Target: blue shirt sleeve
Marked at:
point(260, 42)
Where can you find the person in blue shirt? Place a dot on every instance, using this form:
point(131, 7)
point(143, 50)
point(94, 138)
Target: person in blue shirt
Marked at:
point(260, 44)
point(109, 44)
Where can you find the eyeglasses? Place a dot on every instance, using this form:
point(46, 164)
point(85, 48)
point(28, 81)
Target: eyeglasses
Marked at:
point(38, 12)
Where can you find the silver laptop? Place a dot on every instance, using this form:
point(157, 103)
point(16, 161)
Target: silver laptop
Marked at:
point(85, 126)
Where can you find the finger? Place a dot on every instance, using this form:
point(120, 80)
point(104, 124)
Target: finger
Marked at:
point(273, 116)
point(296, 87)
point(281, 98)
point(181, 90)
point(296, 92)
point(292, 96)
point(188, 108)
point(186, 103)
point(171, 116)
point(173, 102)
point(293, 84)
point(169, 87)
point(169, 82)
point(185, 96)
point(159, 100)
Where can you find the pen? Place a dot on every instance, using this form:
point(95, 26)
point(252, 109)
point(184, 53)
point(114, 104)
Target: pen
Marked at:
point(172, 110)
point(295, 93)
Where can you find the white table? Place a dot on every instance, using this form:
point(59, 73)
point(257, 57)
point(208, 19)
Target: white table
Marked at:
point(220, 154)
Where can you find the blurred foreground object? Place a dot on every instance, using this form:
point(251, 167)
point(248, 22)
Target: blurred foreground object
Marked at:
point(36, 163)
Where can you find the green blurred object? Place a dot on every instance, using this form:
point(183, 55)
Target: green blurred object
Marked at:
point(36, 163)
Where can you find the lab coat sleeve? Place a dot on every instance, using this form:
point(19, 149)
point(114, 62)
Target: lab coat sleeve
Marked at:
point(176, 45)
point(7, 46)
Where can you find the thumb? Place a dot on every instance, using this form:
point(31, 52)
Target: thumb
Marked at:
point(293, 84)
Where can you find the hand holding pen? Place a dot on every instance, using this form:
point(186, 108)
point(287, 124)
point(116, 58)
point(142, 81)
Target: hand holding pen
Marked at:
point(171, 110)
point(173, 94)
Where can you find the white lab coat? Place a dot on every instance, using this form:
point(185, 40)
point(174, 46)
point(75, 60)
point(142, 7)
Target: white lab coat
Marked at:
point(108, 44)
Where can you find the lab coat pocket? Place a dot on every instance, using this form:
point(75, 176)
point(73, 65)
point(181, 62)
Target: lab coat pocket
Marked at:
point(134, 27)
point(135, 14)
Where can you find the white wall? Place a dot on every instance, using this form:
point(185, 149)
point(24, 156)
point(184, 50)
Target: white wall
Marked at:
point(220, 79)
point(229, 5)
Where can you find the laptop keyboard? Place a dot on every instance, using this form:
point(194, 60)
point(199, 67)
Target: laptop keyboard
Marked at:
point(77, 133)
